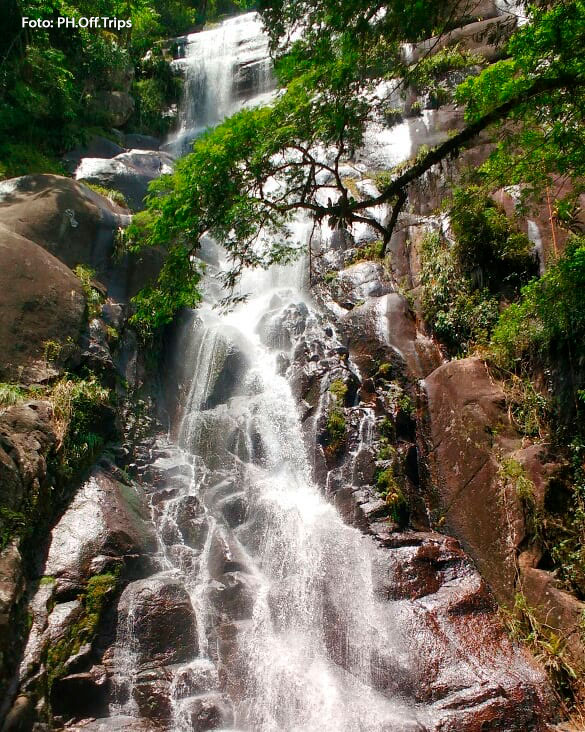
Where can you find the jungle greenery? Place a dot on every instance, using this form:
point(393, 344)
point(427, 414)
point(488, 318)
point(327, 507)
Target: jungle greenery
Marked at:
point(329, 55)
point(50, 79)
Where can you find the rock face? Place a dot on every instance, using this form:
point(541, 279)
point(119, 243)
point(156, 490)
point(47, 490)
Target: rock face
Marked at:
point(116, 107)
point(471, 441)
point(130, 172)
point(467, 422)
point(41, 302)
point(70, 221)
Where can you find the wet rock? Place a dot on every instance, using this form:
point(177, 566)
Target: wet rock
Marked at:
point(163, 620)
point(114, 724)
point(81, 694)
point(152, 693)
point(137, 142)
point(360, 281)
point(97, 147)
point(130, 172)
point(387, 323)
point(208, 712)
point(41, 302)
point(105, 518)
point(191, 521)
point(233, 597)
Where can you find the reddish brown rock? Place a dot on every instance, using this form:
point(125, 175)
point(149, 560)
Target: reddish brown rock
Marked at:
point(468, 425)
point(41, 301)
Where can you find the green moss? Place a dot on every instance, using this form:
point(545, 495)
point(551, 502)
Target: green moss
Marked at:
point(339, 390)
point(330, 276)
point(93, 297)
point(94, 599)
point(110, 193)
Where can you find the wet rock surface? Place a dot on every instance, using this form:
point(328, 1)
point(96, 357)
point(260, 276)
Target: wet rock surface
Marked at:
point(130, 172)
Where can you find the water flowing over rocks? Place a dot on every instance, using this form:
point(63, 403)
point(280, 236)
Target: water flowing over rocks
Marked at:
point(129, 172)
point(253, 575)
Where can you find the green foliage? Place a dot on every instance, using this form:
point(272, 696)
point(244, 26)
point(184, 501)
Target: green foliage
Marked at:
point(458, 315)
point(437, 65)
point(11, 394)
point(371, 251)
point(565, 521)
point(389, 489)
point(93, 297)
point(550, 315)
point(23, 158)
point(487, 246)
point(513, 475)
point(335, 431)
point(113, 195)
point(156, 89)
point(546, 644)
point(548, 137)
point(387, 429)
point(175, 288)
point(339, 390)
point(77, 409)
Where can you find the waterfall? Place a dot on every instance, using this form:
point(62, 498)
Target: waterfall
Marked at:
point(275, 615)
point(225, 68)
point(308, 630)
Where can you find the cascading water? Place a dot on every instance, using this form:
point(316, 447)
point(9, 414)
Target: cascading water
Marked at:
point(280, 619)
point(225, 68)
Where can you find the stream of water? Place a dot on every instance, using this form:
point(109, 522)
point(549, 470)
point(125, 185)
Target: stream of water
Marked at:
point(305, 627)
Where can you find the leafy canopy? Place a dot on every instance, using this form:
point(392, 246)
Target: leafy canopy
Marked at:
point(248, 178)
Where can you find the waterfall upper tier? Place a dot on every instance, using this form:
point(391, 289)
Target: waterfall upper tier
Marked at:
point(226, 68)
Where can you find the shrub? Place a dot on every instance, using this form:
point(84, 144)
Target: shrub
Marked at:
point(93, 297)
point(459, 316)
point(110, 193)
point(335, 431)
point(339, 390)
point(489, 249)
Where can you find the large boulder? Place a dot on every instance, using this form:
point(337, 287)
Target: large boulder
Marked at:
point(115, 107)
point(107, 520)
point(468, 422)
point(162, 620)
point(79, 227)
point(66, 218)
point(41, 302)
point(96, 147)
point(130, 172)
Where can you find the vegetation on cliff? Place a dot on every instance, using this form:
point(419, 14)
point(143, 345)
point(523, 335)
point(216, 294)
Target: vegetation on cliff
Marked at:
point(52, 80)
